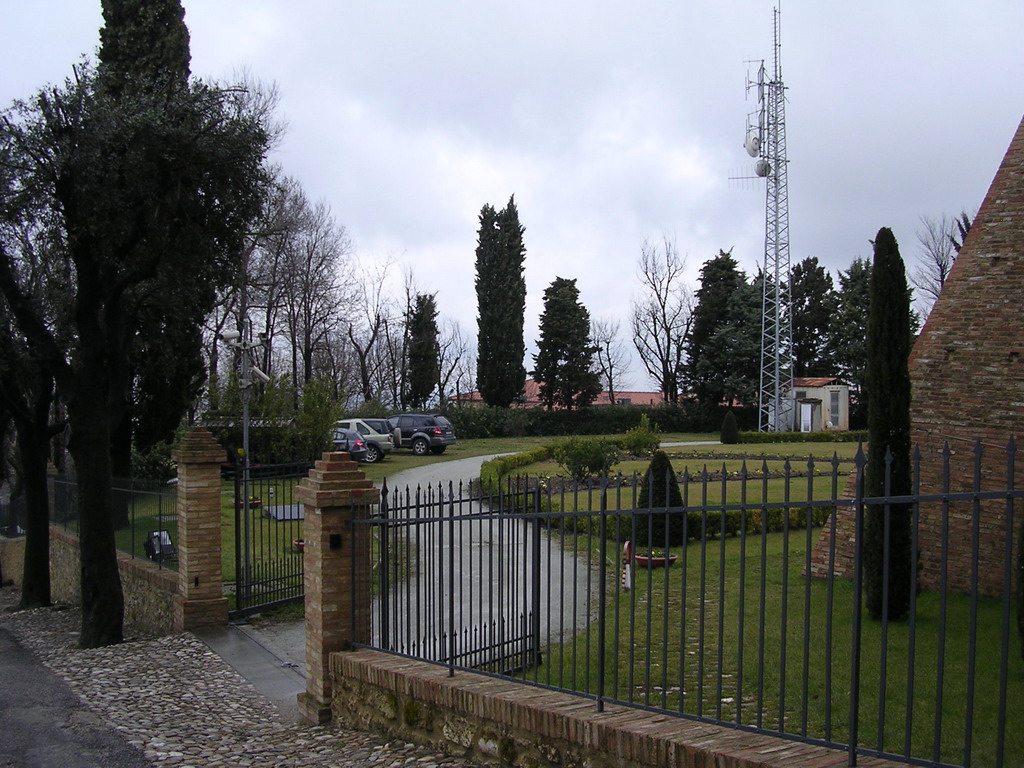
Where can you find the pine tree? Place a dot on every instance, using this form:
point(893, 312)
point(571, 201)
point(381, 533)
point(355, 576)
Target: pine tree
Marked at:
point(421, 329)
point(563, 365)
point(888, 377)
point(813, 299)
point(850, 325)
point(501, 305)
point(723, 346)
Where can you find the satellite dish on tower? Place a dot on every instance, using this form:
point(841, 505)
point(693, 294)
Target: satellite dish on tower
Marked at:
point(762, 168)
point(752, 144)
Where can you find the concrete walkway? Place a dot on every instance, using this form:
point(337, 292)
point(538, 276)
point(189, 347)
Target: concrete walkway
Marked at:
point(272, 655)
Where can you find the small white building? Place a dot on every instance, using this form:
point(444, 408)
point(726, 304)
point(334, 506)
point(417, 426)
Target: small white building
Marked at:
point(820, 405)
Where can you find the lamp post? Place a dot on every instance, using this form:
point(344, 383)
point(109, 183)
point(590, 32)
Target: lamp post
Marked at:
point(246, 370)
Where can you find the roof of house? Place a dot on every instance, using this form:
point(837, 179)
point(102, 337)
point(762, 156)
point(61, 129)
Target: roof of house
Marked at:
point(813, 381)
point(531, 397)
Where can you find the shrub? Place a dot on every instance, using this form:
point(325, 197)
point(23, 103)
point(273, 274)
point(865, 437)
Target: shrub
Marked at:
point(583, 457)
point(660, 488)
point(643, 439)
point(730, 429)
point(803, 437)
point(492, 472)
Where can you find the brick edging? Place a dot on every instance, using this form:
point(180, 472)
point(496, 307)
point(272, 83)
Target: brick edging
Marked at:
point(526, 719)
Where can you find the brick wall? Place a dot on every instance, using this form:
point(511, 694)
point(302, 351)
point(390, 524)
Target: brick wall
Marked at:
point(967, 378)
point(967, 384)
point(487, 721)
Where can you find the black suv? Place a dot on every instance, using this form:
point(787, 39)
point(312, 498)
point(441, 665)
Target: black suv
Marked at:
point(422, 432)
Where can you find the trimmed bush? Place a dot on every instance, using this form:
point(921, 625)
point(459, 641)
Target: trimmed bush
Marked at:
point(803, 437)
point(660, 488)
point(730, 429)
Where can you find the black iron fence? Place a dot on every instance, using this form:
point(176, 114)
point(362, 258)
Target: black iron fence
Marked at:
point(268, 541)
point(145, 514)
point(710, 609)
point(12, 517)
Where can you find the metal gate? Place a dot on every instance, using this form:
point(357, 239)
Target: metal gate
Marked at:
point(268, 537)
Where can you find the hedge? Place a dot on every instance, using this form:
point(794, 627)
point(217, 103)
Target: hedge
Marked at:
point(858, 436)
point(482, 421)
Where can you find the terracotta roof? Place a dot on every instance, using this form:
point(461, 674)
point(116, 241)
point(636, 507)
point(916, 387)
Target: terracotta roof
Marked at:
point(531, 397)
point(813, 381)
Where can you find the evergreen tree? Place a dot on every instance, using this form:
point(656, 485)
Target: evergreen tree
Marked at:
point(144, 47)
point(814, 303)
point(563, 365)
point(501, 305)
point(143, 188)
point(730, 429)
point(723, 347)
point(888, 376)
point(659, 487)
point(850, 326)
point(421, 330)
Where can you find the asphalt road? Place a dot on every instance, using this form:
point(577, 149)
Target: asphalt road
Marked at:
point(45, 725)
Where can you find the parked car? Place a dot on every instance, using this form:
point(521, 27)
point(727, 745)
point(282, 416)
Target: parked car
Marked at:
point(422, 432)
point(376, 433)
point(350, 441)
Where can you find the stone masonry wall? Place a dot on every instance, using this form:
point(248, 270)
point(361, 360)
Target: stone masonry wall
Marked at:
point(487, 721)
point(148, 590)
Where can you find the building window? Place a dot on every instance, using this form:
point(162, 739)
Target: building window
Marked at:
point(833, 408)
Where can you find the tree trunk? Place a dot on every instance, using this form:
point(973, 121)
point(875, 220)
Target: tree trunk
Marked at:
point(33, 450)
point(102, 599)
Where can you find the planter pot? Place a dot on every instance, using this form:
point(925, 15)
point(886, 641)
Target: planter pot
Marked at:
point(655, 561)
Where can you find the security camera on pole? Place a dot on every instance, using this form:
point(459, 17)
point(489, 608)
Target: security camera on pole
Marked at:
point(246, 370)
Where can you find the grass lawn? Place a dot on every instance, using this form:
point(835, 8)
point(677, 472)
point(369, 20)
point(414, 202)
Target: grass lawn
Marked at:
point(697, 638)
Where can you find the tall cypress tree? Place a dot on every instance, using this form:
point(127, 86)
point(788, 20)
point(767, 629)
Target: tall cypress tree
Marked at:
point(144, 47)
point(501, 305)
point(421, 326)
point(150, 184)
point(888, 385)
point(563, 365)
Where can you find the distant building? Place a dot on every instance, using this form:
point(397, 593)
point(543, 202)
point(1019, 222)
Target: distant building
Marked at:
point(531, 397)
point(822, 405)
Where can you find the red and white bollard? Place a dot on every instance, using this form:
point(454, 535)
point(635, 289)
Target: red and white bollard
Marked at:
point(627, 565)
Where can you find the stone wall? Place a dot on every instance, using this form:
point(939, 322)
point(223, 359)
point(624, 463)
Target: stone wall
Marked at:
point(488, 721)
point(148, 589)
point(12, 559)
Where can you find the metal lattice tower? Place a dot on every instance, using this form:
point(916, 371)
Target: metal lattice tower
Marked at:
point(767, 141)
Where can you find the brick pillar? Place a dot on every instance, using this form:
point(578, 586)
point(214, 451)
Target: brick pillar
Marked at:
point(200, 600)
point(337, 571)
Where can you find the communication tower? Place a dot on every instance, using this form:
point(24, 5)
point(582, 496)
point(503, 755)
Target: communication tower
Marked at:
point(766, 140)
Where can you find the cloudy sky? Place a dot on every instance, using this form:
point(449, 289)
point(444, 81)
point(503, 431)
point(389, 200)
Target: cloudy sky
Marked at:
point(610, 122)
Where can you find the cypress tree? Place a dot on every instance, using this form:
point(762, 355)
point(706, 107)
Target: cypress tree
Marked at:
point(501, 305)
point(563, 365)
point(888, 386)
point(423, 351)
point(144, 47)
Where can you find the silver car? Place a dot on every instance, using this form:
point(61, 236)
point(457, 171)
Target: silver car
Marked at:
point(375, 433)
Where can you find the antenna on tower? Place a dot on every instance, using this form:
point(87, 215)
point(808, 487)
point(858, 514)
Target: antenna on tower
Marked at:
point(766, 140)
